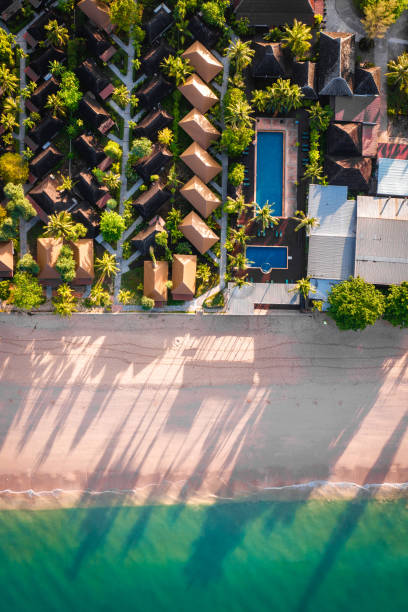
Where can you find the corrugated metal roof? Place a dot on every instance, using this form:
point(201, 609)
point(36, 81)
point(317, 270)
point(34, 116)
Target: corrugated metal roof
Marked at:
point(336, 214)
point(382, 208)
point(392, 176)
point(331, 257)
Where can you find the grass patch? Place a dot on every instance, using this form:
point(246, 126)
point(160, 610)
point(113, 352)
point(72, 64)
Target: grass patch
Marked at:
point(34, 233)
point(132, 280)
point(215, 301)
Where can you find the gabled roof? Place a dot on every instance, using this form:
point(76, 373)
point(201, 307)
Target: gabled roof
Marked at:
point(92, 112)
point(201, 162)
point(205, 63)
point(367, 81)
point(98, 12)
point(198, 233)
point(96, 42)
point(202, 32)
point(154, 162)
point(154, 91)
point(154, 280)
point(6, 259)
point(354, 172)
point(41, 93)
point(382, 240)
point(198, 93)
point(84, 261)
point(268, 61)
point(41, 66)
point(89, 149)
point(200, 196)
point(48, 250)
point(45, 161)
point(146, 237)
point(392, 177)
point(46, 130)
point(357, 108)
point(36, 31)
point(91, 78)
point(304, 74)
point(199, 128)
point(158, 24)
point(152, 123)
point(91, 190)
point(86, 214)
point(336, 64)
point(275, 12)
point(344, 139)
point(184, 276)
point(153, 58)
point(48, 198)
point(148, 203)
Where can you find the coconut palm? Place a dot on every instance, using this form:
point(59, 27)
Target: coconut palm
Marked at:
point(121, 95)
point(398, 72)
point(56, 35)
point(8, 80)
point(60, 225)
point(319, 117)
point(240, 54)
point(107, 267)
point(239, 261)
point(56, 105)
point(203, 273)
point(238, 114)
point(314, 171)
point(177, 68)
point(241, 281)
point(240, 236)
point(260, 99)
point(98, 296)
point(304, 287)
point(297, 38)
point(112, 180)
point(284, 95)
point(264, 216)
point(125, 297)
point(66, 184)
point(65, 304)
point(236, 206)
point(8, 121)
point(11, 105)
point(306, 222)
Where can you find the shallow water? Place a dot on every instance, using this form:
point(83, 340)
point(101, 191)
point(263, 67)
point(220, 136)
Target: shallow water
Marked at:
point(253, 556)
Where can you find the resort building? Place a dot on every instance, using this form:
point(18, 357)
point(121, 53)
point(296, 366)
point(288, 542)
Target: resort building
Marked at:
point(48, 250)
point(352, 172)
point(201, 162)
point(93, 112)
point(304, 75)
point(44, 132)
point(47, 198)
point(200, 196)
point(269, 61)
point(382, 240)
point(148, 203)
point(92, 80)
point(152, 123)
point(84, 261)
point(156, 275)
point(392, 177)
point(202, 32)
point(154, 91)
point(184, 277)
point(89, 148)
point(97, 43)
point(147, 237)
point(161, 21)
point(39, 98)
point(197, 126)
point(150, 63)
point(204, 62)
point(198, 233)
point(44, 162)
point(198, 93)
point(153, 163)
point(91, 191)
point(6, 259)
point(98, 13)
point(275, 12)
point(336, 64)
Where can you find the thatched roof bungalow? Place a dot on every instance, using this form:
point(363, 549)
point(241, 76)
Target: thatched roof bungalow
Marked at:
point(201, 162)
point(184, 277)
point(153, 163)
point(198, 93)
point(200, 196)
point(198, 233)
point(161, 21)
point(153, 92)
point(197, 126)
point(204, 62)
point(269, 61)
point(147, 237)
point(148, 203)
point(154, 121)
point(336, 64)
point(353, 172)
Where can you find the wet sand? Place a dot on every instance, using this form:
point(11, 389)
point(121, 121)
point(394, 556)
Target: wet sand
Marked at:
point(178, 408)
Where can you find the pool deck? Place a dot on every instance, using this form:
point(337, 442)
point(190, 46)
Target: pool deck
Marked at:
point(243, 301)
point(289, 128)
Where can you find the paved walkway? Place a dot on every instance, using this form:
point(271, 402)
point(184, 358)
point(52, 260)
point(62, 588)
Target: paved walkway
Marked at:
point(224, 184)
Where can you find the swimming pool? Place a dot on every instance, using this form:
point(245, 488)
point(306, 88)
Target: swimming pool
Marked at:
point(267, 257)
point(269, 170)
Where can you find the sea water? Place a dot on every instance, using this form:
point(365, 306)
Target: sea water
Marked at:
point(250, 557)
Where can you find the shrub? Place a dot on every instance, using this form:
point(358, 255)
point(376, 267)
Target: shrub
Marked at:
point(26, 291)
point(354, 304)
point(213, 13)
point(141, 147)
point(113, 150)
point(184, 248)
point(65, 264)
point(13, 168)
point(18, 205)
point(236, 140)
point(112, 226)
point(28, 264)
point(111, 204)
point(4, 290)
point(236, 174)
point(396, 305)
point(147, 303)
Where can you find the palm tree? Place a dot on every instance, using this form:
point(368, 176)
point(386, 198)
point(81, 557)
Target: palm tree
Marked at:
point(203, 273)
point(107, 267)
point(56, 35)
point(56, 105)
point(12, 105)
point(240, 54)
point(260, 99)
point(65, 304)
point(98, 296)
point(8, 121)
point(398, 74)
point(239, 261)
point(177, 68)
point(236, 206)
point(319, 117)
point(306, 222)
point(8, 80)
point(284, 95)
point(238, 114)
point(297, 38)
point(125, 297)
point(112, 180)
point(66, 184)
point(60, 225)
point(121, 95)
point(304, 287)
point(264, 216)
point(240, 236)
point(314, 171)
point(241, 281)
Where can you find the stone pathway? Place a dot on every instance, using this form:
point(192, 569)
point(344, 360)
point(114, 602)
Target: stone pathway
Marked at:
point(224, 183)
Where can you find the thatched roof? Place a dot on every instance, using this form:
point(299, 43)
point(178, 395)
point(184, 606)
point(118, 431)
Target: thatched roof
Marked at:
point(146, 237)
point(200, 196)
point(199, 128)
point(344, 139)
point(158, 24)
point(202, 32)
point(336, 64)
point(6, 259)
point(97, 43)
point(152, 123)
point(94, 114)
point(48, 198)
point(45, 161)
point(91, 78)
point(46, 130)
point(353, 172)
point(84, 261)
point(41, 66)
point(40, 96)
point(148, 203)
point(98, 12)
point(153, 163)
point(275, 12)
point(201, 162)
point(86, 214)
point(304, 74)
point(184, 277)
point(150, 62)
point(198, 93)
point(198, 233)
point(89, 149)
point(269, 61)
point(205, 63)
point(368, 81)
point(153, 92)
point(48, 250)
point(91, 190)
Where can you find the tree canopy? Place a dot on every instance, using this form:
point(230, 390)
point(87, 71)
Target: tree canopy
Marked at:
point(13, 168)
point(26, 292)
point(396, 305)
point(112, 225)
point(354, 304)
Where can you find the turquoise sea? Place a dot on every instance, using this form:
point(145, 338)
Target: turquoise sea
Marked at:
point(249, 557)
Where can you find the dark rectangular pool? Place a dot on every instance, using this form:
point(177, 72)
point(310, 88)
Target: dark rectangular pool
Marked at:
point(269, 170)
point(267, 257)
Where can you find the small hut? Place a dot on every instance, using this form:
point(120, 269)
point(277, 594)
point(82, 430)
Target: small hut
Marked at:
point(45, 161)
point(205, 63)
point(200, 196)
point(153, 92)
point(147, 237)
point(198, 93)
point(92, 80)
point(148, 203)
point(161, 21)
point(197, 126)
point(95, 115)
point(201, 162)
point(154, 121)
point(89, 188)
point(150, 63)
point(155, 279)
point(202, 32)
point(198, 233)
point(184, 277)
point(153, 163)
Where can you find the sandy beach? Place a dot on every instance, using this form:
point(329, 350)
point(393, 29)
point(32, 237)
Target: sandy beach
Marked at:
point(182, 408)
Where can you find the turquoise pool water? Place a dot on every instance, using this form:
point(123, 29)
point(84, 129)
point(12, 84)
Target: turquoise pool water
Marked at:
point(244, 557)
point(267, 257)
point(269, 170)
